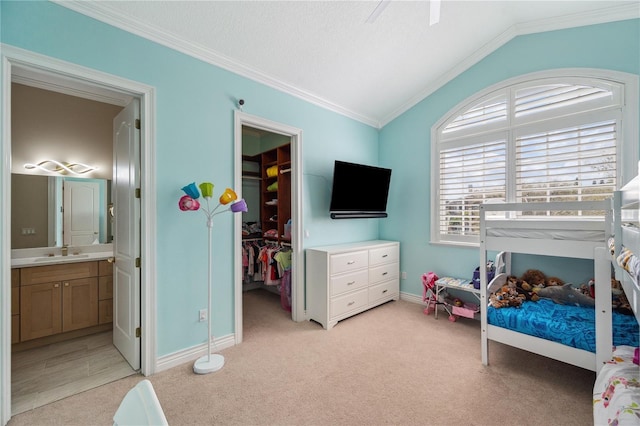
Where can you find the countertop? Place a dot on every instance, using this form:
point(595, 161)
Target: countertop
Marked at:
point(23, 259)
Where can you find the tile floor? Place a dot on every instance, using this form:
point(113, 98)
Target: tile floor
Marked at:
point(53, 372)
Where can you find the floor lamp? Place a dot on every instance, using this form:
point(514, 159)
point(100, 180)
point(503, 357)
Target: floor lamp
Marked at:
point(189, 202)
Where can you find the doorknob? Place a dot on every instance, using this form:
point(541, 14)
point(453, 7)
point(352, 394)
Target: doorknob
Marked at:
point(111, 259)
point(111, 210)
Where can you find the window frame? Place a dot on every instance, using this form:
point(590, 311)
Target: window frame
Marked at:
point(624, 84)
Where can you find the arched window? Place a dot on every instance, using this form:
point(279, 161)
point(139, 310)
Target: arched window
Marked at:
point(537, 138)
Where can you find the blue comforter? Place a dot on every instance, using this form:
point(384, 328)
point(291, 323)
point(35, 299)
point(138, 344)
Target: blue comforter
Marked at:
point(570, 325)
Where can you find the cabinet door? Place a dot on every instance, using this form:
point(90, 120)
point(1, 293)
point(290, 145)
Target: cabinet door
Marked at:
point(79, 303)
point(40, 306)
point(105, 288)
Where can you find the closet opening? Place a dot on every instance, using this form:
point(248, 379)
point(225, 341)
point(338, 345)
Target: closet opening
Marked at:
point(268, 260)
point(266, 226)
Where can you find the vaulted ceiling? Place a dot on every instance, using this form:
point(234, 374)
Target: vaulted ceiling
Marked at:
point(339, 54)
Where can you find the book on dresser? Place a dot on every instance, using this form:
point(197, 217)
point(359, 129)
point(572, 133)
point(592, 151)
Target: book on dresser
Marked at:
point(346, 279)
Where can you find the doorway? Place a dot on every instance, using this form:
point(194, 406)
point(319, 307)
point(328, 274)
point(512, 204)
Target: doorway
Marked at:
point(54, 73)
point(289, 151)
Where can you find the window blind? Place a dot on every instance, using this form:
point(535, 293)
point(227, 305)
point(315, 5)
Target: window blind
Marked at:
point(483, 114)
point(575, 163)
point(469, 175)
point(540, 99)
point(546, 140)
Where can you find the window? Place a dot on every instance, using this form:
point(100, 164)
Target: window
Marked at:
point(530, 140)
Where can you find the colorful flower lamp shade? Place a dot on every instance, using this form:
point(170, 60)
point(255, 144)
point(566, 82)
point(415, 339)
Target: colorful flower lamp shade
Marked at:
point(189, 202)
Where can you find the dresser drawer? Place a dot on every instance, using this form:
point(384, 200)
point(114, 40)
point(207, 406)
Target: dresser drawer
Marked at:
point(345, 262)
point(387, 254)
point(349, 281)
point(385, 290)
point(383, 273)
point(349, 302)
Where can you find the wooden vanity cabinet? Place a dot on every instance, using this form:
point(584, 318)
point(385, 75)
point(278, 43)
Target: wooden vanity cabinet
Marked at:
point(58, 298)
point(79, 303)
point(105, 292)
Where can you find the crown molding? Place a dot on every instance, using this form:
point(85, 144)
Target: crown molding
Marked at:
point(103, 13)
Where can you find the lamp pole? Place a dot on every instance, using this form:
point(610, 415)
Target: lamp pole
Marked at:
point(210, 362)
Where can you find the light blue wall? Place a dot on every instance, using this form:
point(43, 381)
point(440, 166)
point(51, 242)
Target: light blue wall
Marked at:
point(194, 142)
point(195, 103)
point(405, 142)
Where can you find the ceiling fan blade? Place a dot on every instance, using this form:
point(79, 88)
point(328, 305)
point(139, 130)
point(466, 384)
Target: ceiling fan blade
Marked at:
point(434, 12)
point(377, 11)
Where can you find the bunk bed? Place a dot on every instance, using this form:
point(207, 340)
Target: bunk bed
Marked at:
point(616, 391)
point(518, 228)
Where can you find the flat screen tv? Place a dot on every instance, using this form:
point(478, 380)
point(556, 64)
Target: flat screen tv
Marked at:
point(359, 191)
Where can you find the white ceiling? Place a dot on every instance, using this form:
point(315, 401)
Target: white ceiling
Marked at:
point(325, 51)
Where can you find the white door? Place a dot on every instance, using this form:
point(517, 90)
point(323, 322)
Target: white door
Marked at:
point(81, 204)
point(126, 233)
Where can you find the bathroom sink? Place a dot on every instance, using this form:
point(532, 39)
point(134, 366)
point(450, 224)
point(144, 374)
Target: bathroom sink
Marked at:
point(60, 258)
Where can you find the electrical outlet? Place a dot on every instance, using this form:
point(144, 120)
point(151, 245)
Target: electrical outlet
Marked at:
point(203, 315)
point(404, 275)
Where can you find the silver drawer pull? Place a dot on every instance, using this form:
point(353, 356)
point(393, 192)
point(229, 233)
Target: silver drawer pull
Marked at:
point(351, 283)
point(350, 303)
point(351, 262)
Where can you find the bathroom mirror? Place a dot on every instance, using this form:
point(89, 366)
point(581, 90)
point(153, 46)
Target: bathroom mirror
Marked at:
point(52, 211)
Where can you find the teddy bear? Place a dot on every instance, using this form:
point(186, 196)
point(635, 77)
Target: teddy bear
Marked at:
point(534, 278)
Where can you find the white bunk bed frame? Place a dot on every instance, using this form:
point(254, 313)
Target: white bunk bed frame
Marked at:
point(626, 210)
point(626, 204)
point(572, 246)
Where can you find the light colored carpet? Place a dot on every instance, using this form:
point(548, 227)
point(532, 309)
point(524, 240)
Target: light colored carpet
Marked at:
point(391, 365)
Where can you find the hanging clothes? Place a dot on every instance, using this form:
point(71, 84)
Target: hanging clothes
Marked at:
point(271, 264)
point(283, 259)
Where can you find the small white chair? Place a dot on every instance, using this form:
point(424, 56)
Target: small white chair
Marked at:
point(140, 407)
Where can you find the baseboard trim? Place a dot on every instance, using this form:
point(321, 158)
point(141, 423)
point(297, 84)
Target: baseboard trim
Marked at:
point(191, 354)
point(411, 298)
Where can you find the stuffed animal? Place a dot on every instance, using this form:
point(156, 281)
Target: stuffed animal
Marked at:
point(566, 295)
point(523, 288)
point(553, 281)
point(505, 297)
point(534, 278)
point(619, 300)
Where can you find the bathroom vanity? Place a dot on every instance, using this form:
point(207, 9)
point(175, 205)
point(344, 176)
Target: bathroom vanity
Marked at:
point(55, 298)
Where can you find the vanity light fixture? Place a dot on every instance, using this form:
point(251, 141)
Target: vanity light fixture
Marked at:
point(62, 168)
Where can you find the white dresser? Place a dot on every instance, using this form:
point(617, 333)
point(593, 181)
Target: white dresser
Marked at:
point(346, 279)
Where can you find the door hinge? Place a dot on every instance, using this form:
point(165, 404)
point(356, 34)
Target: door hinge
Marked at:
point(138, 332)
point(137, 192)
point(138, 262)
point(137, 123)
